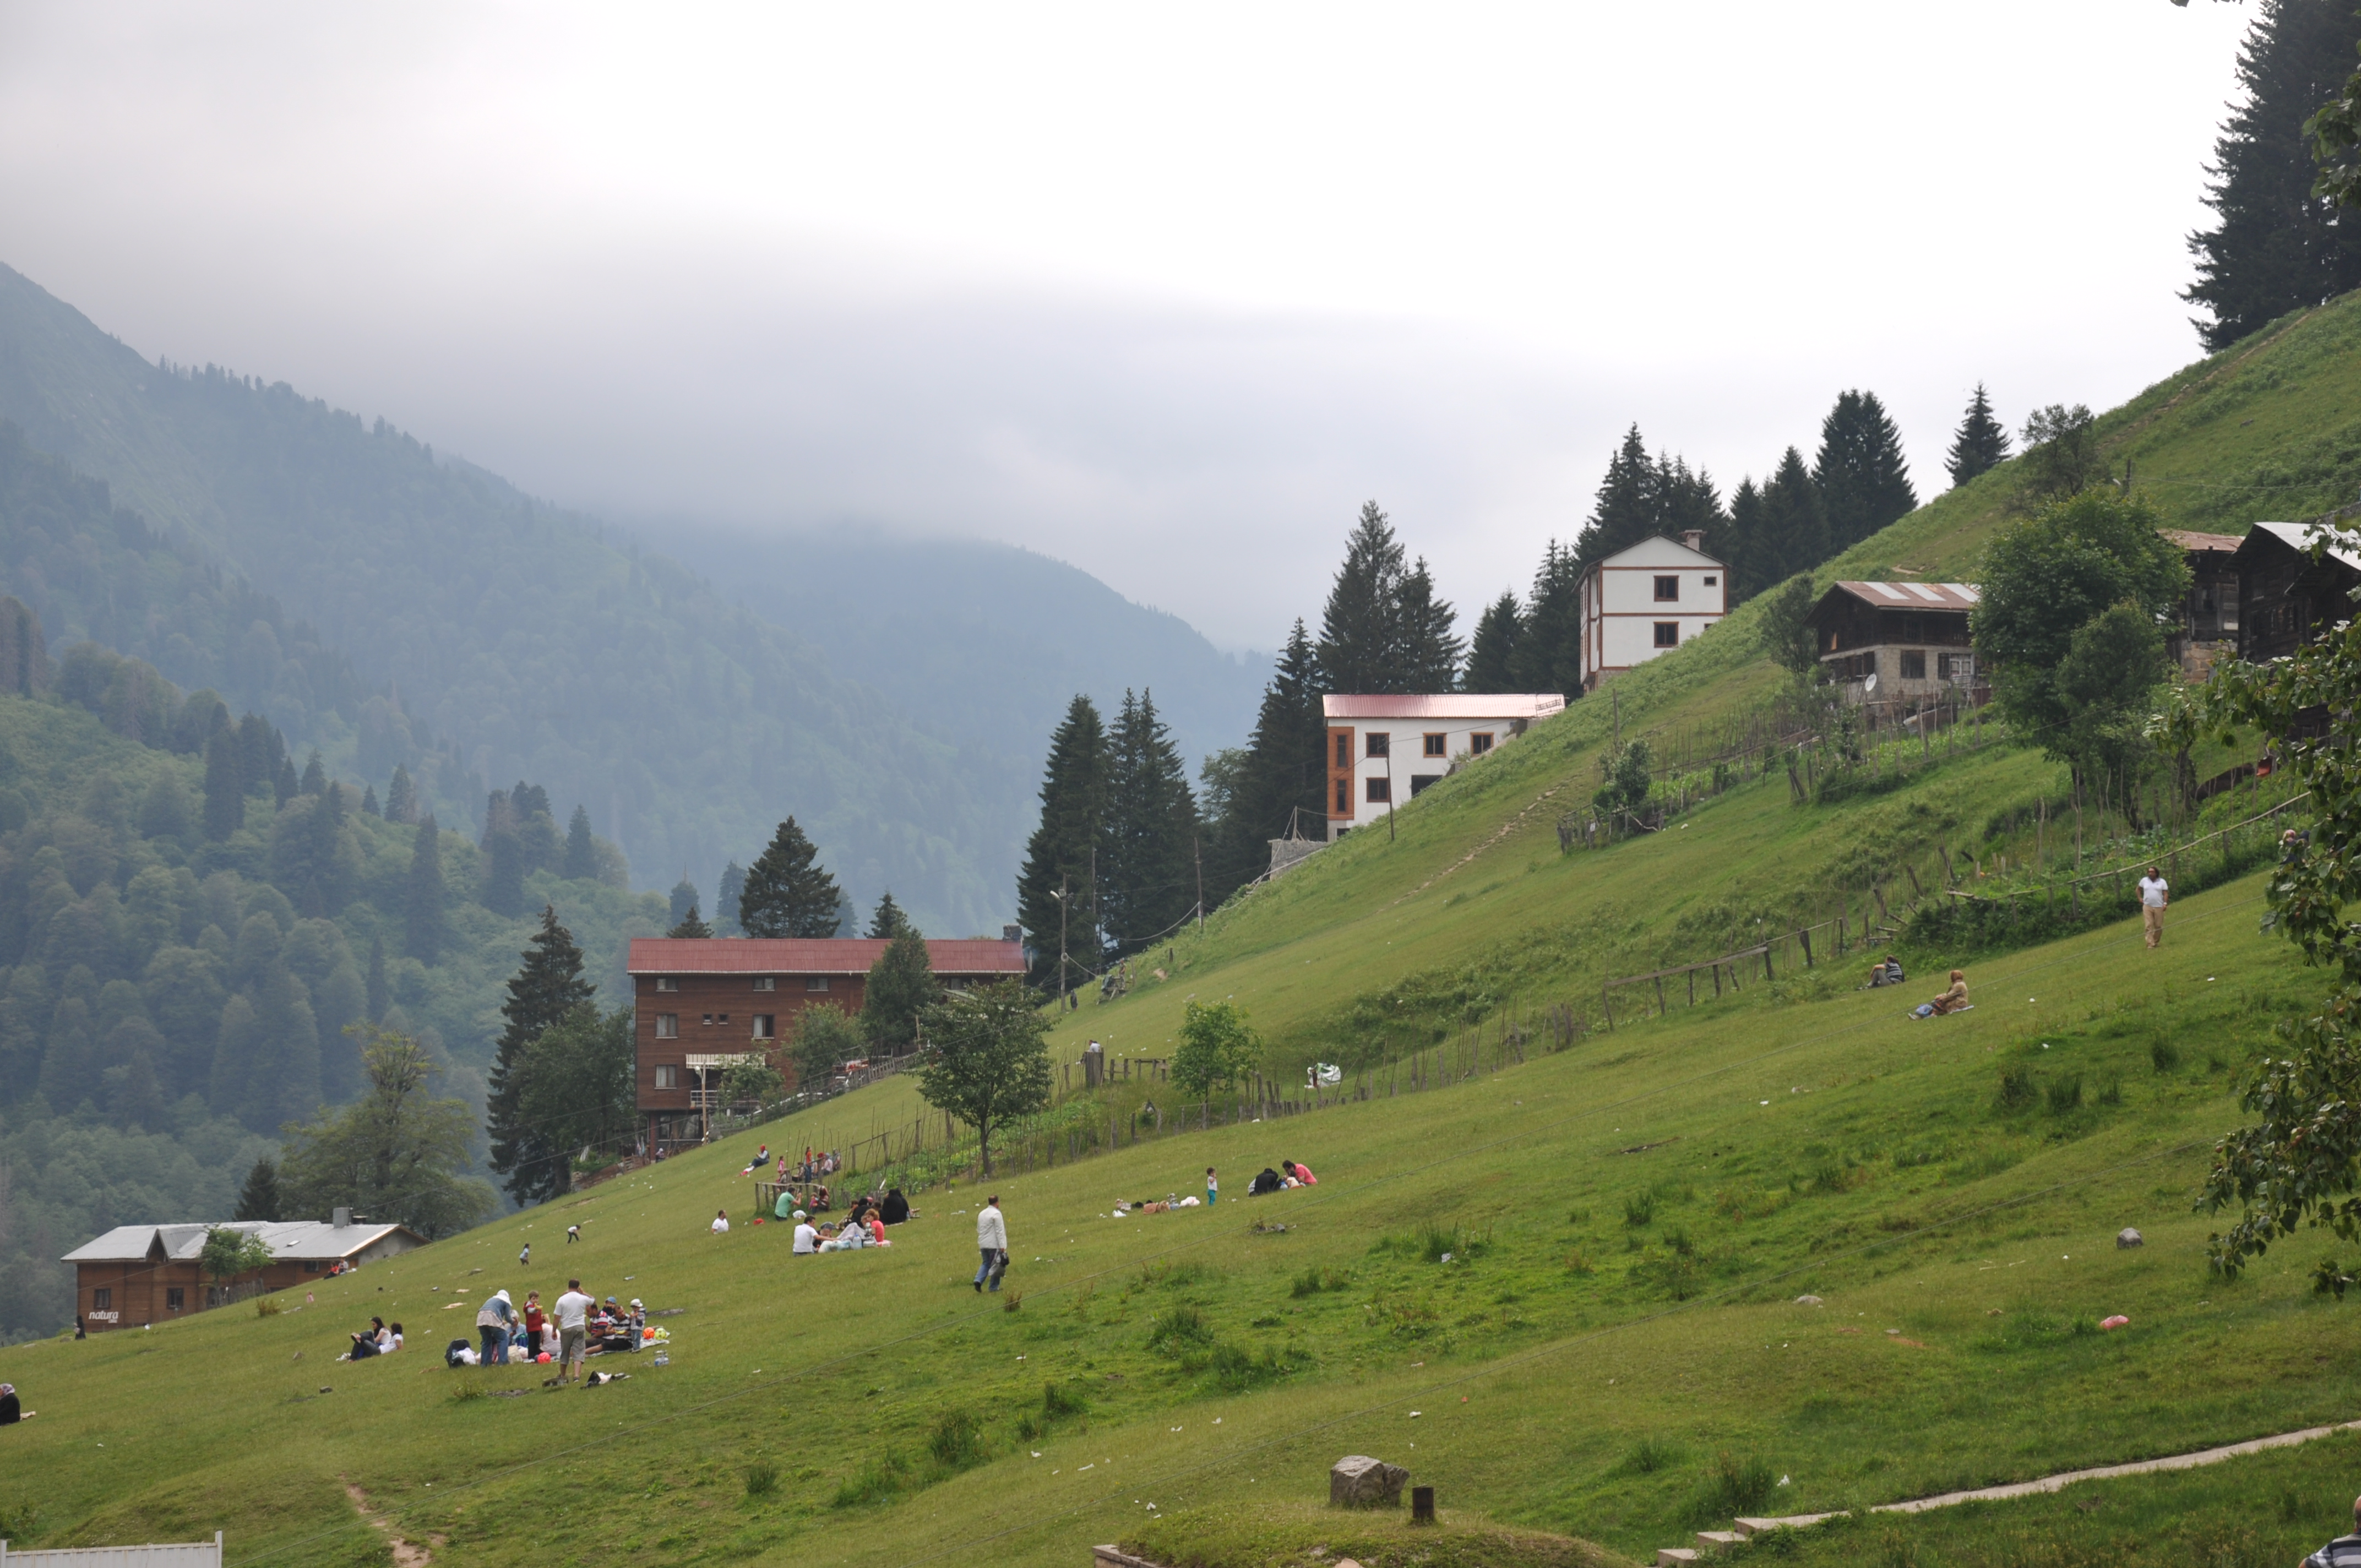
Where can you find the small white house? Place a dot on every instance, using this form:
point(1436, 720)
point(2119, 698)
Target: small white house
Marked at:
point(1384, 749)
point(1646, 601)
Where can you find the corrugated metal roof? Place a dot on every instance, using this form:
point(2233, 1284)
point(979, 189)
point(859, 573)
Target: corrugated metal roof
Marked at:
point(2301, 535)
point(811, 955)
point(2190, 539)
point(1501, 706)
point(300, 1240)
point(1915, 595)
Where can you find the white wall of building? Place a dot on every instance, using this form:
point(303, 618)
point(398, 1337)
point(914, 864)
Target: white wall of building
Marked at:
point(1417, 749)
point(1623, 605)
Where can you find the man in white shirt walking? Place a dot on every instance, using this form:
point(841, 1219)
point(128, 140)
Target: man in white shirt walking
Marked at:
point(573, 1325)
point(991, 1241)
point(2154, 894)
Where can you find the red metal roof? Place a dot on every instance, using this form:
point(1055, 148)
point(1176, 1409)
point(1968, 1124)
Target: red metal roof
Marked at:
point(811, 955)
point(1444, 705)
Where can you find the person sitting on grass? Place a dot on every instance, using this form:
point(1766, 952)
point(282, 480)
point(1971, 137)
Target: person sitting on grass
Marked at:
point(1954, 999)
point(366, 1343)
point(1299, 1175)
point(11, 1410)
point(1885, 971)
point(896, 1210)
point(2345, 1552)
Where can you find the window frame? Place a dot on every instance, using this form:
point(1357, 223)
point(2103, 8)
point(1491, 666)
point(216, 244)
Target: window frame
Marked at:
point(766, 1026)
point(1377, 745)
point(1673, 583)
point(1479, 741)
point(815, 983)
point(667, 1025)
point(1377, 790)
point(1913, 656)
point(668, 983)
point(176, 1298)
point(1668, 633)
point(1438, 744)
point(1714, 581)
point(102, 1298)
point(766, 982)
point(667, 1075)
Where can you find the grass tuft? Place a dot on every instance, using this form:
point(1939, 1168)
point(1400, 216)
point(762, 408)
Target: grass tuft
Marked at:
point(762, 1479)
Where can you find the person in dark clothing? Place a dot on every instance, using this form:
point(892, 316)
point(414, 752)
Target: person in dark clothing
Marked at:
point(896, 1208)
point(1269, 1181)
point(11, 1410)
point(2345, 1552)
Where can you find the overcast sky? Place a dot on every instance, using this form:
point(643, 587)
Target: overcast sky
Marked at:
point(1166, 293)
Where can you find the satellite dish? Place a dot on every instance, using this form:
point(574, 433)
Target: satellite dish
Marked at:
point(1870, 685)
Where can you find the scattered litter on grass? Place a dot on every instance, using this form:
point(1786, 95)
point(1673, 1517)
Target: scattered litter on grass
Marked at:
point(1415, 1414)
point(2118, 1322)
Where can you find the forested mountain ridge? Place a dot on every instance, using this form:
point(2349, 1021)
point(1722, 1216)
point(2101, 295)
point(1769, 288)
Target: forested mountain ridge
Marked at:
point(532, 644)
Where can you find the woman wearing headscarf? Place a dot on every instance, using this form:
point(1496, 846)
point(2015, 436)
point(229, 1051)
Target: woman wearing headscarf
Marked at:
point(11, 1410)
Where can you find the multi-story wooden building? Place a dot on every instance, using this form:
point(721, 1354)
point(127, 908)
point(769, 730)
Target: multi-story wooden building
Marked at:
point(706, 1004)
point(136, 1275)
point(2208, 617)
point(2285, 597)
point(1895, 647)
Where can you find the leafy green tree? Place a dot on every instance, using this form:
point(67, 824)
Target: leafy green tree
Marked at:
point(1057, 893)
point(1624, 510)
point(1787, 637)
point(258, 1198)
point(787, 892)
point(1980, 443)
point(1862, 481)
point(229, 1253)
point(581, 863)
point(576, 1086)
point(164, 810)
point(2279, 246)
point(2297, 1164)
point(224, 790)
point(888, 919)
point(2107, 686)
point(369, 806)
point(547, 987)
point(1624, 777)
point(2046, 577)
point(826, 1038)
point(2061, 452)
point(752, 1080)
point(990, 1060)
point(395, 1154)
point(1149, 880)
point(284, 784)
point(379, 992)
point(1218, 1047)
point(901, 988)
point(1489, 653)
point(422, 901)
point(504, 878)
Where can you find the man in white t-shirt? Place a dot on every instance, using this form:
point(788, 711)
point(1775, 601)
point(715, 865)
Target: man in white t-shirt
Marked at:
point(2154, 894)
point(806, 1238)
point(572, 1312)
point(722, 1223)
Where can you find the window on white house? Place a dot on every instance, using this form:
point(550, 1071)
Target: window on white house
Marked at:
point(1343, 797)
point(1712, 582)
point(814, 982)
point(667, 1025)
point(667, 1075)
point(1914, 663)
point(1479, 742)
point(1667, 589)
point(1436, 744)
point(667, 982)
point(1380, 790)
point(1668, 634)
point(766, 982)
point(1380, 743)
point(763, 1029)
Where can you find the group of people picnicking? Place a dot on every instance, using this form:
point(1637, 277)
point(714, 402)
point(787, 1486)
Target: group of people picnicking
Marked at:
point(1291, 1173)
point(569, 1331)
point(2155, 898)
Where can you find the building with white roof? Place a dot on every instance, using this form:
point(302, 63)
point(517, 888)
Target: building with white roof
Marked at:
point(151, 1274)
point(1647, 600)
point(1906, 644)
point(1383, 749)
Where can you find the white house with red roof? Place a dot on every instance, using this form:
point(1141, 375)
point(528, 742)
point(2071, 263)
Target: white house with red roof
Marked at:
point(1385, 750)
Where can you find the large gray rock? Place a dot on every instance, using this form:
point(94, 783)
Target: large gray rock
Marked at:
point(1357, 1481)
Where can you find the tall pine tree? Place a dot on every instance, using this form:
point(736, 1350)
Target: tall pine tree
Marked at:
point(1431, 647)
point(224, 786)
point(547, 987)
point(1492, 650)
point(2277, 248)
point(402, 798)
point(1980, 443)
point(888, 920)
point(1794, 524)
point(1362, 640)
point(1060, 857)
point(901, 985)
point(725, 899)
point(1624, 511)
point(1548, 654)
point(422, 903)
point(684, 899)
point(1862, 481)
point(1148, 883)
point(581, 863)
point(787, 891)
point(1271, 787)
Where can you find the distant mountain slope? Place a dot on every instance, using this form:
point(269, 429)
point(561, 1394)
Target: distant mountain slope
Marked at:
point(533, 646)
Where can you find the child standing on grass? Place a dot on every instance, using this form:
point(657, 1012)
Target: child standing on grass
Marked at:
point(1212, 1187)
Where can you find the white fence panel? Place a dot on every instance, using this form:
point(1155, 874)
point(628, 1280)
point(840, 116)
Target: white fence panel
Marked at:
point(179, 1554)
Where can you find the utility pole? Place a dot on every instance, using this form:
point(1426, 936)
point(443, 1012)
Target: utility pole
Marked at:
point(1062, 941)
point(1197, 848)
point(1390, 788)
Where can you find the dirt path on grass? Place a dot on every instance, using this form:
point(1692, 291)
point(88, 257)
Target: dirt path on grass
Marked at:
point(406, 1553)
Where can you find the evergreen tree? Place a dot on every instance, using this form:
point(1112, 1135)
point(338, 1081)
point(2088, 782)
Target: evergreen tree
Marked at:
point(1862, 481)
point(1625, 510)
point(282, 1079)
point(901, 986)
point(690, 925)
point(164, 809)
point(1273, 784)
point(316, 776)
point(1430, 645)
point(258, 1198)
point(1361, 635)
point(1148, 881)
point(259, 753)
point(368, 801)
point(1794, 524)
point(684, 899)
point(725, 899)
point(2277, 248)
point(224, 790)
point(547, 987)
point(422, 898)
point(381, 993)
point(1060, 857)
point(1748, 546)
point(1490, 651)
point(787, 892)
point(1980, 443)
point(401, 799)
point(1548, 654)
point(581, 863)
point(504, 879)
point(888, 920)
point(284, 784)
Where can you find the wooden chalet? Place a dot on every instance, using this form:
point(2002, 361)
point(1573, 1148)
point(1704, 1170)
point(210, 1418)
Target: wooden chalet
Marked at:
point(1898, 645)
point(2208, 628)
point(138, 1275)
point(706, 1004)
point(2285, 597)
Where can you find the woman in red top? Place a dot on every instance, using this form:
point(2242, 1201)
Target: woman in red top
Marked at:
point(1302, 1173)
point(536, 1320)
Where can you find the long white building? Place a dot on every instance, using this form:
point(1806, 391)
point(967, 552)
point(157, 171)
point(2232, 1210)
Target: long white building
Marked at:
point(1647, 600)
point(1384, 749)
